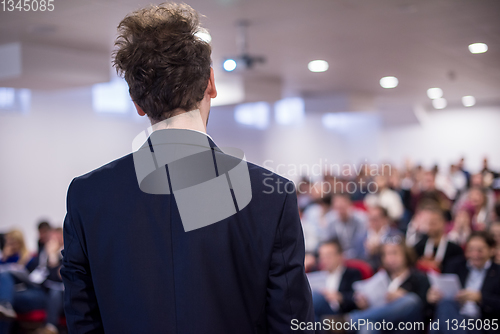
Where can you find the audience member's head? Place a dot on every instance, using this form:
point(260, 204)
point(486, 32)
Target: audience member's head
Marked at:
point(480, 248)
point(342, 205)
point(454, 169)
point(396, 256)
point(381, 181)
point(495, 231)
point(429, 181)
point(462, 220)
point(436, 225)
point(315, 191)
point(15, 246)
point(325, 201)
point(44, 229)
point(476, 180)
point(477, 197)
point(378, 218)
point(420, 220)
point(57, 234)
point(461, 163)
point(330, 255)
point(303, 186)
point(485, 163)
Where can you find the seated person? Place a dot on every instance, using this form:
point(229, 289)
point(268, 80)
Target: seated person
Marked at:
point(379, 229)
point(495, 231)
point(434, 250)
point(44, 229)
point(14, 250)
point(406, 293)
point(41, 289)
point(385, 197)
point(346, 224)
point(417, 227)
point(480, 279)
point(337, 298)
point(461, 227)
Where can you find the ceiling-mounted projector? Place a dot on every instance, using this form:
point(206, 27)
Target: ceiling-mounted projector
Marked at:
point(244, 61)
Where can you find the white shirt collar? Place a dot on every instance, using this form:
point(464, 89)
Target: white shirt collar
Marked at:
point(339, 270)
point(190, 120)
point(397, 281)
point(487, 266)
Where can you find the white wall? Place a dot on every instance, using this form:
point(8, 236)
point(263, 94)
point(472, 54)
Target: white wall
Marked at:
point(445, 136)
point(62, 137)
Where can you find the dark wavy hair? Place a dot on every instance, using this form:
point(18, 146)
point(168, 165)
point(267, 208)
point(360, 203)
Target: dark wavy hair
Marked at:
point(486, 236)
point(166, 66)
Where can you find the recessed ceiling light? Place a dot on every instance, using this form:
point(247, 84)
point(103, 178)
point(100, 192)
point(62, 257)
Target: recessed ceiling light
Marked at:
point(439, 103)
point(468, 101)
point(389, 82)
point(229, 65)
point(478, 48)
point(434, 93)
point(317, 65)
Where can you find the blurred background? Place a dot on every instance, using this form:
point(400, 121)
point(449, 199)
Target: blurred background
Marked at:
point(300, 83)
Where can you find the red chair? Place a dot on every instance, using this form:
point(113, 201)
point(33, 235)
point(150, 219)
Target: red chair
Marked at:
point(360, 205)
point(364, 268)
point(37, 317)
point(32, 316)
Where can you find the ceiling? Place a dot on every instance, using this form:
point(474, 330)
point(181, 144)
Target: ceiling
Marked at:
point(424, 43)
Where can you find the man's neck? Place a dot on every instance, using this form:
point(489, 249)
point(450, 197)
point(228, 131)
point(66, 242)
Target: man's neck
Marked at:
point(482, 266)
point(344, 219)
point(332, 270)
point(436, 239)
point(190, 120)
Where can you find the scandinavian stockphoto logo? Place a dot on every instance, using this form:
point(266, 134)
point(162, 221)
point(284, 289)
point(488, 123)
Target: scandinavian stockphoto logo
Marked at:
point(208, 184)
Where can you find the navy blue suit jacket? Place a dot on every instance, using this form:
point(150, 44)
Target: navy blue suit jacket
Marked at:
point(129, 267)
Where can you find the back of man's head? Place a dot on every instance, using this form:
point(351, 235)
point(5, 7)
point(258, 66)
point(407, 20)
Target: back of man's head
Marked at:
point(166, 65)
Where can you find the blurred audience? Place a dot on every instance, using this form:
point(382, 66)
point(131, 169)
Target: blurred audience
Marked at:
point(435, 249)
point(337, 298)
point(379, 231)
point(44, 229)
point(391, 218)
point(488, 203)
point(37, 285)
point(437, 214)
point(14, 250)
point(314, 222)
point(427, 192)
point(346, 224)
point(385, 197)
point(482, 215)
point(480, 294)
point(405, 299)
point(460, 227)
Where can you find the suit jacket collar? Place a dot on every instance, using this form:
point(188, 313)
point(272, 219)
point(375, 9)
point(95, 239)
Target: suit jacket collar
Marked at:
point(181, 136)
